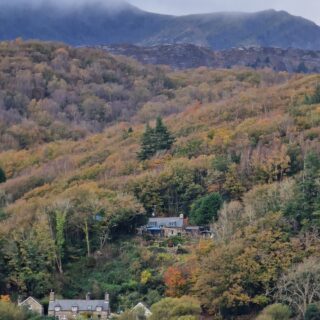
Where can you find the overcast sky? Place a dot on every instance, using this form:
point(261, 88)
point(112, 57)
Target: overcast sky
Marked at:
point(309, 9)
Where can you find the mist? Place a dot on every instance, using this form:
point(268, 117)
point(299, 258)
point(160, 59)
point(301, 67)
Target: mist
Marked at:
point(64, 4)
point(308, 9)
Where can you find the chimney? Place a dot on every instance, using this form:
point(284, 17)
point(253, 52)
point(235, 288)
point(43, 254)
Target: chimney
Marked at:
point(88, 296)
point(181, 216)
point(51, 298)
point(19, 300)
point(106, 297)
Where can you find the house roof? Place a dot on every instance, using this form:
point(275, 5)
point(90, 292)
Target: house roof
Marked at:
point(83, 305)
point(168, 222)
point(140, 305)
point(24, 302)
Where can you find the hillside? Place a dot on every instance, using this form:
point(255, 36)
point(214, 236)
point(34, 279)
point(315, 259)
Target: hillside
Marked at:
point(69, 207)
point(97, 24)
point(186, 56)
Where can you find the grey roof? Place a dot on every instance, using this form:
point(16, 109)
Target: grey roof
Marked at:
point(27, 300)
point(167, 222)
point(83, 305)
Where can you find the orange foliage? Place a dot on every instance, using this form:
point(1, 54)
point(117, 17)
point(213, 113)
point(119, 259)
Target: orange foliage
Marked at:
point(5, 298)
point(175, 281)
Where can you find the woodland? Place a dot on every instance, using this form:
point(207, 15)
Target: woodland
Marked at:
point(92, 144)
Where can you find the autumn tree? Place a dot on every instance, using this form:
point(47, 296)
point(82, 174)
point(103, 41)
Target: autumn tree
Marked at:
point(315, 97)
point(176, 281)
point(300, 287)
point(240, 275)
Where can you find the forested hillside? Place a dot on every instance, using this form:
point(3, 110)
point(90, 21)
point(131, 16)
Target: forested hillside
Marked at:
point(75, 186)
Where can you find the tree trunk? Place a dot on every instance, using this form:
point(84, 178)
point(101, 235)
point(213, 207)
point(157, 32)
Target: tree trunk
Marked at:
point(86, 232)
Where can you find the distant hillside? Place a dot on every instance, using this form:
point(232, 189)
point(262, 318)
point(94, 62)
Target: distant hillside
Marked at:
point(94, 24)
point(186, 56)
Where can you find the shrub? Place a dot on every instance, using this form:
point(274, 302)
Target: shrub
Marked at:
point(176, 309)
point(312, 313)
point(275, 312)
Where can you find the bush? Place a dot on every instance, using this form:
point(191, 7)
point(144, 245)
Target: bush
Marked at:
point(312, 313)
point(275, 312)
point(9, 311)
point(185, 308)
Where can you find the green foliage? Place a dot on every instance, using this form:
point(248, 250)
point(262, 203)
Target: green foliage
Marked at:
point(315, 97)
point(163, 138)
point(3, 177)
point(176, 309)
point(221, 163)
point(275, 312)
point(148, 146)
point(137, 314)
point(312, 313)
point(10, 311)
point(154, 140)
point(205, 210)
point(306, 204)
point(171, 192)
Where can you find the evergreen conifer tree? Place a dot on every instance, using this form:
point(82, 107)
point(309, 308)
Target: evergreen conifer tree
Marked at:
point(164, 139)
point(2, 176)
point(155, 139)
point(147, 144)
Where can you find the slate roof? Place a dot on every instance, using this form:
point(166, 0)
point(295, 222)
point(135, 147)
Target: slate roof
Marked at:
point(83, 305)
point(167, 222)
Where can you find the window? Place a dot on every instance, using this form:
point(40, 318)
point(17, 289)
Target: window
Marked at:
point(90, 308)
point(99, 309)
point(57, 308)
point(74, 309)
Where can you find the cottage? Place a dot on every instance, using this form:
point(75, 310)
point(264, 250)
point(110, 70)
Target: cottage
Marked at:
point(32, 305)
point(166, 226)
point(70, 309)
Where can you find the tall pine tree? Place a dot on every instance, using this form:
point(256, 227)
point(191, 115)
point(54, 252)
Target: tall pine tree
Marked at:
point(147, 144)
point(3, 177)
point(155, 139)
point(164, 139)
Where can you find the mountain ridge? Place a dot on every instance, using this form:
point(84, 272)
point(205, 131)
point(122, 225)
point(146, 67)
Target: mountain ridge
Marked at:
point(187, 56)
point(93, 24)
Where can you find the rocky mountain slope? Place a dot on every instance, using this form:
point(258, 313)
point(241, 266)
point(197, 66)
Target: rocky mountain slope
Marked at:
point(185, 56)
point(93, 24)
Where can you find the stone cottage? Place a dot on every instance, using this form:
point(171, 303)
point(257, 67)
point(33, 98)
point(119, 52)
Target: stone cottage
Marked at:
point(63, 309)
